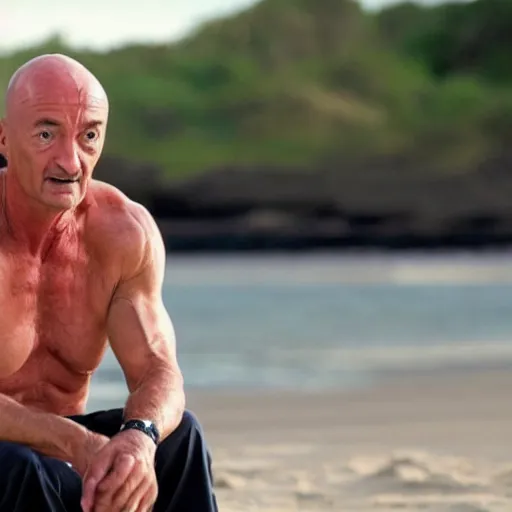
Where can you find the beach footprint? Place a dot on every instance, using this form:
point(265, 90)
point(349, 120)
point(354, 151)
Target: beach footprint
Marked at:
point(415, 472)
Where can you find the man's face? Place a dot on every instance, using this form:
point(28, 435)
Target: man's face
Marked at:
point(53, 136)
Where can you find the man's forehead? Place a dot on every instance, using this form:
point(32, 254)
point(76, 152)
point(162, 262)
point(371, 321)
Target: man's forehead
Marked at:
point(62, 110)
point(39, 102)
point(80, 108)
point(61, 94)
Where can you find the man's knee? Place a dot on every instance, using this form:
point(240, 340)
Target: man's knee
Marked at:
point(190, 425)
point(189, 429)
point(183, 468)
point(189, 421)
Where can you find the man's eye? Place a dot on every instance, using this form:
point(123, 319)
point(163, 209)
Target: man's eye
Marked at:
point(45, 135)
point(91, 136)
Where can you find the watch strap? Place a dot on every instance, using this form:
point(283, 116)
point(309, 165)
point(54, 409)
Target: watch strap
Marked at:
point(145, 426)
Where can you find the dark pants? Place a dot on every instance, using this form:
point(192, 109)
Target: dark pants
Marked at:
point(31, 482)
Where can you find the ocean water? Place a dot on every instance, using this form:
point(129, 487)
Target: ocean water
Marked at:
point(329, 321)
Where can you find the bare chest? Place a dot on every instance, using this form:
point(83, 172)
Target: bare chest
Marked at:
point(54, 311)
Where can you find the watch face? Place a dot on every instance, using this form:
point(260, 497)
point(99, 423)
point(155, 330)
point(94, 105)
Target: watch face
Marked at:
point(146, 426)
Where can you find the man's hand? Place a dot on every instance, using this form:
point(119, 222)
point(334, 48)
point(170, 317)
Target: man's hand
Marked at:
point(121, 477)
point(85, 452)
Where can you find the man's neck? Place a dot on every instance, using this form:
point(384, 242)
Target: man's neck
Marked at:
point(30, 223)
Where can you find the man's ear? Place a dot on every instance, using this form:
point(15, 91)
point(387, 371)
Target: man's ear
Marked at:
point(3, 142)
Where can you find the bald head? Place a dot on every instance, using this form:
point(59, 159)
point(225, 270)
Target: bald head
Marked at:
point(50, 79)
point(55, 125)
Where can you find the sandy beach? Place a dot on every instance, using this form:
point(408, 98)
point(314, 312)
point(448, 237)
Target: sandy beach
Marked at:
point(428, 442)
point(412, 439)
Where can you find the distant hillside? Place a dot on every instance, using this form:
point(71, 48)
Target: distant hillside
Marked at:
point(454, 38)
point(313, 83)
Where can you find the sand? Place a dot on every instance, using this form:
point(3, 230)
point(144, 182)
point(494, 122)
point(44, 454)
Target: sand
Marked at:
point(429, 442)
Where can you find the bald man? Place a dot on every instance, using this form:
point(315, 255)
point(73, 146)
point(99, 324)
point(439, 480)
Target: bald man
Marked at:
point(81, 264)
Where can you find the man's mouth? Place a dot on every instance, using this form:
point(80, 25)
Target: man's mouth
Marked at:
point(63, 180)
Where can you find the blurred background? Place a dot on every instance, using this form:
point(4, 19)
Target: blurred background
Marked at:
point(333, 182)
point(331, 178)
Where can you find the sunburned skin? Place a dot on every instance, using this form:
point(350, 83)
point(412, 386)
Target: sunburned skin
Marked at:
point(53, 332)
point(70, 246)
point(58, 114)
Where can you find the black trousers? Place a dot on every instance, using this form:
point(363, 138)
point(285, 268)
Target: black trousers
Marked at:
point(31, 482)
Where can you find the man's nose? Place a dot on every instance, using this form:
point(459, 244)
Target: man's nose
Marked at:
point(69, 158)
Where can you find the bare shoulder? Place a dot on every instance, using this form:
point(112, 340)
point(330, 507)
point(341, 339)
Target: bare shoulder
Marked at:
point(125, 227)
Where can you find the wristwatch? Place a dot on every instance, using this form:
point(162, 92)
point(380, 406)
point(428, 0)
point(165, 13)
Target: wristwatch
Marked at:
point(145, 426)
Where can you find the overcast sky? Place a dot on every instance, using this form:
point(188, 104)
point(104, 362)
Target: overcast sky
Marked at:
point(103, 24)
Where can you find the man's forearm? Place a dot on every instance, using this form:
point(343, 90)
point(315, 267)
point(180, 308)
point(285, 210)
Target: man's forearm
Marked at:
point(46, 433)
point(159, 397)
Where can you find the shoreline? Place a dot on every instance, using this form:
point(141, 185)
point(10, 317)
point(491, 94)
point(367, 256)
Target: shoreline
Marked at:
point(472, 397)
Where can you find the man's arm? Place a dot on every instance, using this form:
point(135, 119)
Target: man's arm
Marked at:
point(122, 475)
point(46, 433)
point(141, 333)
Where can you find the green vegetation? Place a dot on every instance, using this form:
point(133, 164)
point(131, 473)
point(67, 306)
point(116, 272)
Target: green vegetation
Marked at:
point(304, 82)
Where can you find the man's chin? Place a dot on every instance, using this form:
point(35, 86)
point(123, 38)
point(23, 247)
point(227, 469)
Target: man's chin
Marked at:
point(61, 203)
